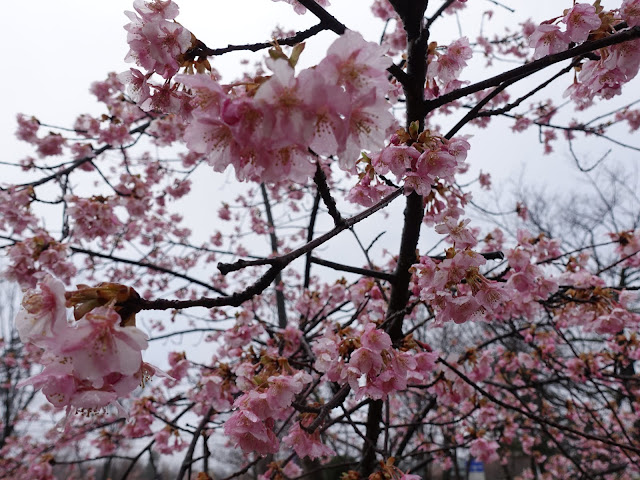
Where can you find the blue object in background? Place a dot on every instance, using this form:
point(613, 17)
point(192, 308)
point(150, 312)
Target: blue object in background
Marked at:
point(476, 466)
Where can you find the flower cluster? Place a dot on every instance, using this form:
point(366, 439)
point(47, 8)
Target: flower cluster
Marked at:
point(307, 444)
point(580, 21)
point(367, 361)
point(156, 44)
point(92, 217)
point(445, 67)
point(46, 146)
point(266, 128)
point(456, 287)
point(251, 425)
point(417, 161)
point(89, 362)
point(628, 246)
point(33, 256)
point(604, 78)
point(614, 66)
point(630, 12)
point(277, 371)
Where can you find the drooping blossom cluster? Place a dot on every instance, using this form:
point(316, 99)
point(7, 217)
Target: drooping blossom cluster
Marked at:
point(251, 426)
point(580, 21)
point(366, 361)
point(307, 444)
point(526, 278)
point(440, 284)
point(33, 256)
point(419, 163)
point(604, 77)
point(616, 65)
point(335, 108)
point(156, 43)
point(266, 128)
point(91, 362)
point(445, 67)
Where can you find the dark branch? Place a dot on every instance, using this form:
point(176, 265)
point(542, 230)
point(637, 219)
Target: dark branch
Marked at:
point(277, 265)
point(360, 271)
point(533, 67)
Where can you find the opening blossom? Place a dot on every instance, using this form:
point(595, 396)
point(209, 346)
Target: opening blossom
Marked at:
point(581, 20)
point(156, 43)
point(89, 362)
point(630, 12)
point(337, 108)
point(548, 39)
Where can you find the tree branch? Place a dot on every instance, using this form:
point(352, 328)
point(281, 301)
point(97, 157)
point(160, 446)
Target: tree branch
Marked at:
point(277, 265)
point(533, 67)
point(360, 271)
point(280, 302)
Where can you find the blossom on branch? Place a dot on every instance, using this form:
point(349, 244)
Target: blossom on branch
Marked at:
point(89, 362)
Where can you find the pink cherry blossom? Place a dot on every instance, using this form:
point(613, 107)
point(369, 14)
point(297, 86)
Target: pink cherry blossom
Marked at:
point(41, 253)
point(448, 66)
point(484, 450)
point(550, 317)
point(98, 345)
point(630, 12)
point(459, 234)
point(548, 39)
point(364, 361)
point(581, 20)
point(156, 9)
point(169, 441)
point(250, 433)
point(43, 315)
point(15, 212)
point(50, 145)
point(383, 9)
point(375, 339)
point(283, 388)
point(356, 64)
point(27, 128)
point(89, 363)
point(156, 44)
point(307, 444)
point(92, 217)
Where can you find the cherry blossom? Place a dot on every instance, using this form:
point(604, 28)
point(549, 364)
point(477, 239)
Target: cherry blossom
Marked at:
point(547, 39)
point(581, 20)
point(630, 12)
point(447, 337)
